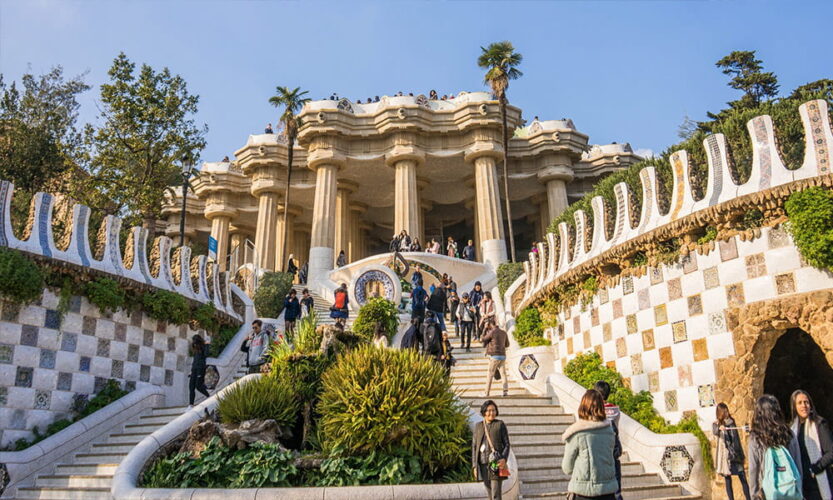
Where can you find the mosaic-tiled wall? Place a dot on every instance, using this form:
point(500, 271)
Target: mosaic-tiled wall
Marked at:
point(665, 330)
point(45, 360)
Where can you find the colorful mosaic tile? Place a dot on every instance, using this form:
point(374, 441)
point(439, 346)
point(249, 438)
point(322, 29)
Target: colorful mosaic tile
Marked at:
point(627, 285)
point(675, 289)
point(778, 237)
point(158, 357)
point(586, 338)
point(88, 325)
point(136, 318)
point(653, 382)
point(636, 364)
point(755, 265)
point(684, 375)
point(160, 327)
point(701, 349)
point(710, 278)
point(103, 348)
point(617, 308)
point(630, 321)
point(717, 323)
point(607, 332)
point(6, 354)
point(23, 376)
point(52, 319)
point(42, 400)
point(594, 317)
point(147, 338)
point(660, 315)
point(679, 330)
point(64, 382)
point(117, 369)
point(171, 344)
point(670, 400)
point(728, 249)
point(169, 377)
point(29, 335)
point(4, 395)
point(84, 364)
point(734, 295)
point(47, 359)
point(621, 348)
point(598, 350)
point(604, 296)
point(785, 283)
point(644, 299)
point(132, 352)
point(689, 263)
point(69, 341)
point(648, 340)
point(695, 305)
point(705, 395)
point(656, 275)
point(570, 345)
point(144, 373)
point(121, 332)
point(666, 359)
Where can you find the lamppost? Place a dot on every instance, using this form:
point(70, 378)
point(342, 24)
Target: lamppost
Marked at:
point(187, 171)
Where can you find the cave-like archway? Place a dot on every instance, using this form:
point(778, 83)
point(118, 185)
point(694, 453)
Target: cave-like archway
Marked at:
point(797, 362)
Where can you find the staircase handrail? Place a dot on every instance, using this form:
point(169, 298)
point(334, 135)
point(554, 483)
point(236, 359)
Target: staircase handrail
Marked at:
point(231, 358)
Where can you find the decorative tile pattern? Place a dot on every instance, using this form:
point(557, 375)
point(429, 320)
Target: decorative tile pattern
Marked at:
point(29, 335)
point(103, 348)
point(6, 354)
point(52, 319)
point(88, 325)
point(676, 463)
point(604, 296)
point(607, 332)
point(23, 377)
point(656, 275)
point(644, 299)
point(684, 375)
point(117, 369)
point(636, 364)
point(701, 349)
point(133, 353)
point(785, 283)
point(666, 359)
point(671, 400)
point(705, 395)
point(586, 338)
point(158, 357)
point(653, 382)
point(695, 305)
point(675, 289)
point(172, 344)
point(169, 377)
point(660, 315)
point(120, 333)
point(630, 321)
point(64, 381)
point(160, 327)
point(777, 237)
point(679, 330)
point(147, 338)
point(75, 303)
point(528, 366)
point(627, 285)
point(728, 249)
point(4, 395)
point(99, 384)
point(69, 341)
point(689, 263)
point(47, 359)
point(617, 308)
point(648, 340)
point(136, 319)
point(755, 265)
point(710, 278)
point(621, 347)
point(734, 295)
point(42, 400)
point(576, 324)
point(84, 364)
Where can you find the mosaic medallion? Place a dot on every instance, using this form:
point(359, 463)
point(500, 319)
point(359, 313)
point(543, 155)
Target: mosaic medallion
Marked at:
point(373, 283)
point(676, 464)
point(528, 366)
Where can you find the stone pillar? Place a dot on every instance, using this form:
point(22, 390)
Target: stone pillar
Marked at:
point(354, 252)
point(424, 208)
point(219, 231)
point(266, 231)
point(489, 213)
point(342, 215)
point(238, 241)
point(555, 178)
point(471, 205)
point(294, 211)
point(322, 242)
point(405, 158)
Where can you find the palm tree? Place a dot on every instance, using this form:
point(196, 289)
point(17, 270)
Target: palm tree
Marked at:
point(292, 100)
point(501, 63)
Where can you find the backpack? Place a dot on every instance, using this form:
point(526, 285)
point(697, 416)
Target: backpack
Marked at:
point(431, 337)
point(418, 299)
point(781, 479)
point(340, 300)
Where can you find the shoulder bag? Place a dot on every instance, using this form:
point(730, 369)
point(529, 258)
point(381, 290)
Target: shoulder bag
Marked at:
point(494, 458)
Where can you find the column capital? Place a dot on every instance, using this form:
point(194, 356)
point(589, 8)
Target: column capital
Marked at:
point(359, 207)
point(404, 152)
point(347, 185)
point(294, 210)
point(422, 182)
point(556, 173)
point(480, 149)
point(321, 157)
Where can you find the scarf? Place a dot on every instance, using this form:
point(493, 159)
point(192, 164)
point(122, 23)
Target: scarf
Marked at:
point(811, 441)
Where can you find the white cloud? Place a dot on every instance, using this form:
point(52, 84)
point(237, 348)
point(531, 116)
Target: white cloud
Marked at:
point(645, 153)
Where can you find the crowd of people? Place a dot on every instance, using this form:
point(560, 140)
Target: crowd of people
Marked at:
point(432, 95)
point(403, 242)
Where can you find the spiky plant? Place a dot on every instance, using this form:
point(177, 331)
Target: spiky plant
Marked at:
point(262, 398)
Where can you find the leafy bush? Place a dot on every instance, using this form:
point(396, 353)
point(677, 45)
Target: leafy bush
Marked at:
point(105, 293)
point(270, 294)
point(223, 337)
point(306, 339)
point(204, 316)
point(529, 330)
point(376, 310)
point(507, 273)
point(587, 369)
point(399, 467)
point(166, 306)
point(261, 398)
point(109, 393)
point(21, 281)
point(385, 399)
point(811, 225)
point(710, 235)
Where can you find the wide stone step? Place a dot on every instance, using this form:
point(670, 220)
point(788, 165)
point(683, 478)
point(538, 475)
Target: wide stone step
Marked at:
point(111, 447)
point(168, 411)
point(64, 493)
point(99, 458)
point(533, 471)
point(513, 401)
point(75, 481)
point(156, 419)
point(95, 469)
point(532, 484)
point(127, 438)
point(550, 439)
point(143, 427)
point(664, 492)
point(536, 449)
point(536, 429)
point(536, 419)
point(496, 391)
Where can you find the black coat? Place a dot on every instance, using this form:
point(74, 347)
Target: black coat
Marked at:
point(731, 439)
point(198, 364)
point(500, 438)
point(437, 300)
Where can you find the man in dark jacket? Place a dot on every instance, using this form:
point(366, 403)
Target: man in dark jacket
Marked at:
point(468, 251)
point(437, 304)
point(419, 297)
point(495, 340)
point(431, 335)
point(475, 296)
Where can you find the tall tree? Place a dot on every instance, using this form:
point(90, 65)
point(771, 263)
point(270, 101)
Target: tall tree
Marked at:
point(501, 63)
point(748, 75)
point(292, 101)
point(147, 128)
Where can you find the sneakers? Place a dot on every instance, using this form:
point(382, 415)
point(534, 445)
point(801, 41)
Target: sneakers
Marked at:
point(505, 393)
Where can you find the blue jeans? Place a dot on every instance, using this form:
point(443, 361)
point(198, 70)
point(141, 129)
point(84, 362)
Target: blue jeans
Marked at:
point(441, 321)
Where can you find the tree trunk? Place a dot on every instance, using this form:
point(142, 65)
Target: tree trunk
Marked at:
point(502, 102)
point(282, 264)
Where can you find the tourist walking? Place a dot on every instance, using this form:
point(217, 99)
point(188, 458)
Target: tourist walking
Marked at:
point(339, 310)
point(613, 413)
point(341, 261)
point(302, 274)
point(452, 285)
point(469, 252)
point(453, 302)
point(466, 316)
point(815, 445)
point(495, 340)
point(490, 450)
point(291, 267)
point(588, 451)
point(445, 358)
point(307, 303)
point(255, 345)
point(291, 311)
point(487, 308)
point(451, 247)
point(431, 335)
point(199, 352)
point(416, 277)
point(730, 457)
point(411, 337)
point(771, 435)
point(419, 298)
point(476, 296)
point(437, 305)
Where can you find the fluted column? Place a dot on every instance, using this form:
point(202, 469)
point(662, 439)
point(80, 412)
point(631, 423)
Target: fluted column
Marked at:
point(472, 205)
point(354, 251)
point(555, 178)
point(321, 254)
point(294, 211)
point(238, 240)
point(219, 231)
point(266, 231)
point(342, 215)
point(489, 213)
point(405, 157)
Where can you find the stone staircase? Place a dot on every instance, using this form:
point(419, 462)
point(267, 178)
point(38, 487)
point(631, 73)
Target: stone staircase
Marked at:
point(320, 305)
point(535, 427)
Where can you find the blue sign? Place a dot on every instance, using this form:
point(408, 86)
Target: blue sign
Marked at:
point(212, 247)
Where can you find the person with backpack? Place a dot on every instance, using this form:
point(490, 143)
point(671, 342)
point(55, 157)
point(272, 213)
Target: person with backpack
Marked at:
point(411, 338)
point(339, 310)
point(437, 304)
point(730, 458)
point(496, 341)
point(199, 351)
point(419, 298)
point(612, 412)
point(466, 315)
point(255, 346)
point(291, 311)
point(445, 357)
point(815, 446)
point(490, 450)
point(588, 451)
point(416, 277)
point(431, 335)
point(475, 296)
point(773, 453)
point(307, 303)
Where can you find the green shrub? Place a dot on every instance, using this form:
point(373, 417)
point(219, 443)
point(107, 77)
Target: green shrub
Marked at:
point(399, 467)
point(507, 273)
point(306, 339)
point(105, 293)
point(204, 315)
point(109, 393)
point(811, 224)
point(710, 235)
point(376, 310)
point(166, 306)
point(385, 399)
point(271, 292)
point(21, 281)
point(262, 398)
point(587, 369)
point(223, 337)
point(529, 329)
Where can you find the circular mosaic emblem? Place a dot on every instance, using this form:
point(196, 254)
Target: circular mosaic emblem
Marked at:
point(376, 281)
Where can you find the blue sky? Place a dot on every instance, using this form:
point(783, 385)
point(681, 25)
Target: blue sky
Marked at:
point(626, 71)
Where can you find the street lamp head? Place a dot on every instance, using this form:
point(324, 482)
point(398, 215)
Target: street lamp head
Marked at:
point(186, 164)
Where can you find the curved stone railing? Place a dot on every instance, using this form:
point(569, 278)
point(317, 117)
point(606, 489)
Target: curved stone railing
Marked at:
point(126, 478)
point(23, 466)
point(556, 259)
point(199, 279)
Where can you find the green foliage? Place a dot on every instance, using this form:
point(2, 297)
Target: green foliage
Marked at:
point(710, 235)
point(639, 259)
point(507, 273)
point(271, 292)
point(223, 337)
point(204, 316)
point(306, 339)
point(590, 285)
point(262, 398)
point(21, 281)
point(529, 329)
point(147, 129)
point(376, 310)
point(549, 312)
point(167, 306)
point(105, 293)
point(399, 467)
point(109, 393)
point(587, 369)
point(747, 75)
point(811, 224)
point(385, 399)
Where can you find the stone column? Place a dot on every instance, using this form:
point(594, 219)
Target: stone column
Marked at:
point(322, 241)
point(219, 231)
point(342, 215)
point(219, 209)
point(294, 211)
point(555, 178)
point(266, 231)
point(238, 241)
point(354, 252)
point(405, 158)
point(489, 213)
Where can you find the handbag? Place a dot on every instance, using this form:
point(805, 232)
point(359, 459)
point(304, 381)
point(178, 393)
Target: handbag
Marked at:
point(494, 457)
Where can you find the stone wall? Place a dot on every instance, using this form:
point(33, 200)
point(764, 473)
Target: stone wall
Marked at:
point(46, 360)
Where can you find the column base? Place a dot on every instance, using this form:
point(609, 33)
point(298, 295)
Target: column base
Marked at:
point(494, 252)
point(320, 264)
